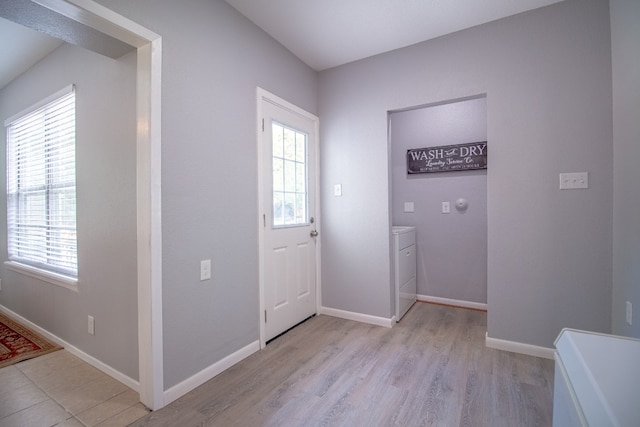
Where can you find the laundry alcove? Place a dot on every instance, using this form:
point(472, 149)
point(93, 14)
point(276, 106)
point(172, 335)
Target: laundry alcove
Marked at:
point(451, 247)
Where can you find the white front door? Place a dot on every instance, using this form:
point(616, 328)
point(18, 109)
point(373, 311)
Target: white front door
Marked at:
point(288, 215)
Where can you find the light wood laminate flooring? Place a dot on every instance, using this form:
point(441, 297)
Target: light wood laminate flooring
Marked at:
point(431, 369)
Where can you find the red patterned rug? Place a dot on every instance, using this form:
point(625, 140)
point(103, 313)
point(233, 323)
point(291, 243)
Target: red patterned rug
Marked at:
point(18, 343)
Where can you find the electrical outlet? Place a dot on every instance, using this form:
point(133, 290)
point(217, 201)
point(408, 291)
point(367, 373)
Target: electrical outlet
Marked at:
point(91, 325)
point(629, 313)
point(446, 207)
point(205, 269)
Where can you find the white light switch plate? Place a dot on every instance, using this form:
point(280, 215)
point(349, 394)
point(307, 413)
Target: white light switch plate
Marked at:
point(446, 207)
point(409, 207)
point(337, 190)
point(91, 325)
point(573, 181)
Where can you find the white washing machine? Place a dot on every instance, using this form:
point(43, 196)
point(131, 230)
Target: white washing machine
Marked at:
point(404, 267)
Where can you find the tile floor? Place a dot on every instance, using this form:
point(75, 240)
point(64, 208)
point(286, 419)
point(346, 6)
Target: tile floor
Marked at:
point(59, 389)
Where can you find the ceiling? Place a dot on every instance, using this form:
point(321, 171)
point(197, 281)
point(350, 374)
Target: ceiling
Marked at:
point(30, 31)
point(328, 33)
point(25, 48)
point(323, 34)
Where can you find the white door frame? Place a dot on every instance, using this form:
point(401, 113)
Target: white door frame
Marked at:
point(263, 95)
point(148, 181)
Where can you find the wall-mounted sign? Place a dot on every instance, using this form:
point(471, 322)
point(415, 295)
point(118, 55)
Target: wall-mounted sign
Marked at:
point(447, 158)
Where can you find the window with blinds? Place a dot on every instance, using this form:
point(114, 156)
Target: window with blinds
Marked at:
point(41, 186)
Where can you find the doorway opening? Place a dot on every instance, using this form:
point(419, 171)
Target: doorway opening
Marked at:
point(451, 242)
point(110, 29)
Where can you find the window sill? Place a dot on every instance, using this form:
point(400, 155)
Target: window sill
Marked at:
point(46, 276)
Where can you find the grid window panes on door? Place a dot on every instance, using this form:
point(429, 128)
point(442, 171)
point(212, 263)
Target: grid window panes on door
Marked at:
point(41, 187)
point(289, 176)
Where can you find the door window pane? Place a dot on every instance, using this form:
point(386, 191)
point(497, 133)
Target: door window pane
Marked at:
point(278, 175)
point(290, 198)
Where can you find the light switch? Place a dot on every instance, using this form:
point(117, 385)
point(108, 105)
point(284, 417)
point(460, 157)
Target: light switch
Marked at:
point(337, 190)
point(573, 181)
point(446, 207)
point(408, 207)
point(91, 325)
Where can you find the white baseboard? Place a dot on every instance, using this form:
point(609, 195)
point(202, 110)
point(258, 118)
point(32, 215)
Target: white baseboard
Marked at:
point(206, 374)
point(453, 302)
point(359, 317)
point(518, 347)
point(117, 375)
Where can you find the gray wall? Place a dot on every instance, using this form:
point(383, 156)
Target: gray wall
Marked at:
point(625, 33)
point(547, 76)
point(106, 207)
point(451, 248)
point(213, 59)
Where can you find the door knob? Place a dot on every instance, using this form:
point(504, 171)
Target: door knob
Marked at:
point(313, 233)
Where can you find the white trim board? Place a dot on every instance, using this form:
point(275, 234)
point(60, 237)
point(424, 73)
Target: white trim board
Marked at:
point(453, 302)
point(208, 373)
point(518, 347)
point(359, 317)
point(115, 374)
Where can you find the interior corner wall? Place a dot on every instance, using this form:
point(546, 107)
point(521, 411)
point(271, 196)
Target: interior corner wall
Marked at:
point(547, 76)
point(451, 248)
point(106, 207)
point(213, 59)
point(625, 33)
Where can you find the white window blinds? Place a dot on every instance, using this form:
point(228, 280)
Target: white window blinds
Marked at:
point(41, 186)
